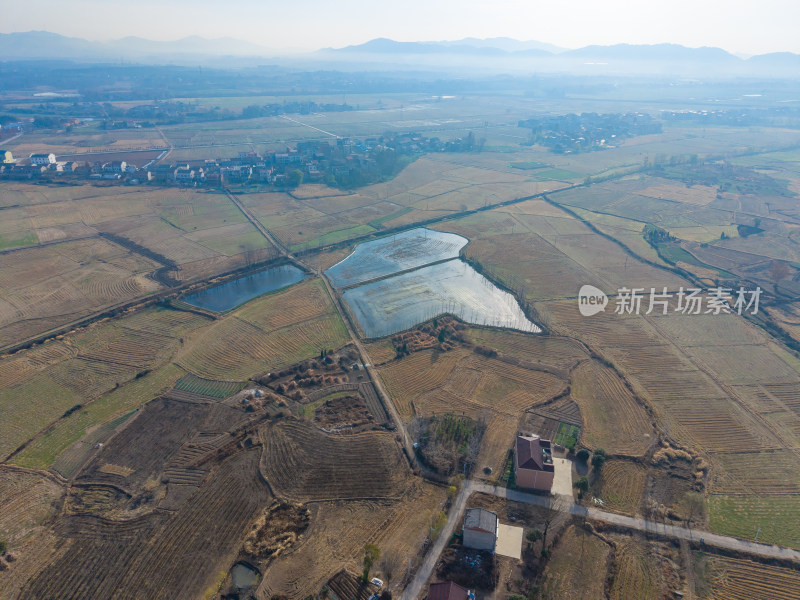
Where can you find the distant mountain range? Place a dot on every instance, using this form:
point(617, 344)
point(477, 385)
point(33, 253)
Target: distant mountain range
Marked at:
point(496, 53)
point(514, 48)
point(487, 47)
point(618, 58)
point(46, 45)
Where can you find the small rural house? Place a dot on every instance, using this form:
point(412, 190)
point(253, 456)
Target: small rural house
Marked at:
point(480, 529)
point(447, 590)
point(6, 157)
point(533, 463)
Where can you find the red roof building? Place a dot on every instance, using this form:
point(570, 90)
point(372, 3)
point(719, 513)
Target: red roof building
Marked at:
point(447, 590)
point(533, 463)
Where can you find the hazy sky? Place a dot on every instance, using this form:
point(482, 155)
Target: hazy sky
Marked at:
point(742, 26)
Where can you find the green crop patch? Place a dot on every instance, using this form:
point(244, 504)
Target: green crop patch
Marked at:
point(208, 387)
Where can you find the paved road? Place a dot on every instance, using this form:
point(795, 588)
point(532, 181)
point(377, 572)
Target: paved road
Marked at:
point(639, 524)
point(414, 589)
point(566, 504)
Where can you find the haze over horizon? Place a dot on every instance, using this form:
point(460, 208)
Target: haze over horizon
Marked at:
point(309, 25)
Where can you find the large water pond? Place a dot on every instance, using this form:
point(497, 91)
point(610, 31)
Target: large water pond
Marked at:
point(406, 250)
point(398, 303)
point(233, 293)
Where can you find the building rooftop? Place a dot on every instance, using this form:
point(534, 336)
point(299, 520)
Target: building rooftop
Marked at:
point(481, 520)
point(447, 590)
point(534, 453)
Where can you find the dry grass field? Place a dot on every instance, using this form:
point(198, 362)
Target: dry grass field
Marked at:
point(687, 368)
point(270, 332)
point(28, 504)
point(52, 235)
point(740, 579)
point(621, 486)
point(613, 420)
point(496, 390)
point(640, 570)
point(302, 463)
point(332, 542)
point(577, 567)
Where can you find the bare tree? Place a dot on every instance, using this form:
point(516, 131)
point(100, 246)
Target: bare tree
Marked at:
point(390, 565)
point(779, 270)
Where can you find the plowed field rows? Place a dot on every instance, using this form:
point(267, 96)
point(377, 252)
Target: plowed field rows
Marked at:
point(303, 463)
point(613, 420)
point(148, 558)
point(622, 486)
point(737, 579)
point(635, 575)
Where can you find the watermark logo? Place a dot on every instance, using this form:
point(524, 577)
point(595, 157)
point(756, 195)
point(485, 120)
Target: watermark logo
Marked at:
point(689, 301)
point(591, 300)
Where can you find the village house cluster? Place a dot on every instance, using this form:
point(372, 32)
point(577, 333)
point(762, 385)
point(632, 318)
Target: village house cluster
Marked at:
point(346, 161)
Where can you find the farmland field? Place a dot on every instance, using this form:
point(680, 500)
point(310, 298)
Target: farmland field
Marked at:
point(497, 390)
point(613, 419)
point(366, 465)
point(738, 579)
point(577, 568)
point(124, 468)
point(103, 247)
point(110, 363)
point(263, 335)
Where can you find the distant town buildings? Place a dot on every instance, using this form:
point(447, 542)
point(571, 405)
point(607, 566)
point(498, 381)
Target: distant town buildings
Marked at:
point(43, 159)
point(347, 162)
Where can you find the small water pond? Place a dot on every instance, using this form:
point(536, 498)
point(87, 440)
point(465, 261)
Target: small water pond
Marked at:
point(233, 293)
point(244, 576)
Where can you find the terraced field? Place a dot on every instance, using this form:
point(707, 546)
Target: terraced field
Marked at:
point(302, 463)
point(208, 387)
point(27, 500)
point(149, 556)
point(252, 340)
point(112, 360)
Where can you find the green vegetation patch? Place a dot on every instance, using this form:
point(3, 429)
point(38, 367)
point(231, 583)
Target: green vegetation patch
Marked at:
point(556, 175)
point(376, 223)
point(674, 253)
point(448, 442)
point(333, 237)
point(18, 239)
point(208, 387)
point(773, 517)
point(528, 165)
point(567, 435)
point(42, 452)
